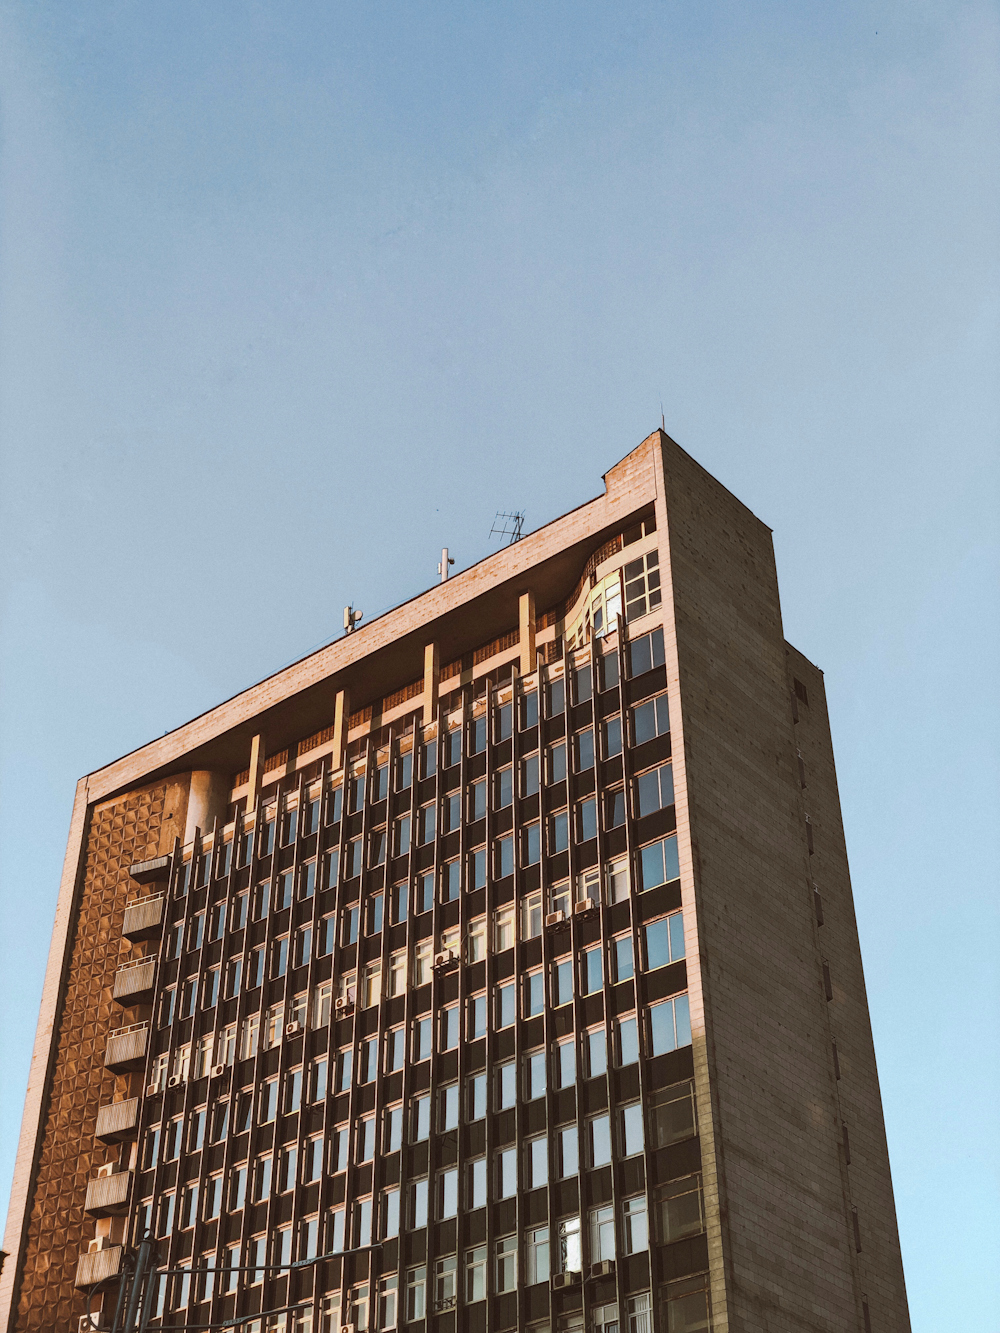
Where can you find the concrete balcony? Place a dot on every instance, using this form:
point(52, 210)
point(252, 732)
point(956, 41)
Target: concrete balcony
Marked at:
point(99, 1266)
point(126, 1049)
point(144, 918)
point(118, 1121)
point(107, 1196)
point(148, 872)
point(134, 981)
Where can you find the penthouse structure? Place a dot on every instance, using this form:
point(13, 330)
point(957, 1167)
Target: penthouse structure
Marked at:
point(492, 968)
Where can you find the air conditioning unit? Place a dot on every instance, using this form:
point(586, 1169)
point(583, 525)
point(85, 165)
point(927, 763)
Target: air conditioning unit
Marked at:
point(343, 1004)
point(153, 1088)
point(555, 918)
point(348, 1328)
point(560, 1280)
point(604, 1268)
point(175, 1081)
point(108, 1169)
point(85, 1326)
point(585, 905)
point(217, 1070)
point(293, 1029)
point(447, 958)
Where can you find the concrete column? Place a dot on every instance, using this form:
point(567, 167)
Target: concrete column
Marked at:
point(432, 682)
point(341, 726)
point(207, 801)
point(256, 773)
point(527, 617)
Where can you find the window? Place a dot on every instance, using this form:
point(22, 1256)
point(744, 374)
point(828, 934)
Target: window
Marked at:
point(586, 819)
point(368, 1064)
point(475, 1183)
point(533, 995)
point(654, 790)
point(565, 1064)
point(475, 1097)
point(556, 763)
point(630, 1129)
point(591, 971)
point(529, 775)
point(570, 1252)
point(336, 1229)
point(344, 1069)
point(447, 1194)
point(283, 891)
point(506, 1264)
point(583, 751)
point(650, 719)
point(599, 1140)
point(210, 988)
point(567, 1152)
point(536, 1255)
point(477, 868)
point(356, 792)
point(401, 836)
point(611, 737)
point(339, 1148)
point(477, 800)
point(449, 1027)
point(404, 771)
point(503, 857)
point(503, 788)
point(602, 1234)
point(503, 929)
point(395, 1049)
point(390, 1214)
point(528, 712)
point(392, 1129)
point(531, 916)
point(423, 954)
point(312, 1160)
point(416, 1290)
point(506, 1173)
point(380, 782)
point(642, 585)
point(288, 1165)
point(428, 759)
point(371, 985)
point(237, 1187)
point(293, 1089)
point(621, 957)
point(562, 981)
point(475, 1274)
point(451, 812)
point(534, 1075)
point(558, 835)
point(536, 1162)
point(267, 1107)
point(317, 1080)
point(645, 653)
point(506, 1004)
point(307, 879)
point(445, 1282)
point(663, 940)
point(377, 841)
point(448, 1107)
point(451, 881)
point(531, 845)
point(506, 1086)
point(399, 895)
point(308, 1240)
point(672, 1114)
point(658, 863)
point(477, 735)
point(303, 946)
point(238, 914)
point(420, 1119)
point(424, 900)
point(555, 698)
point(352, 916)
point(423, 1038)
point(669, 1025)
point(397, 973)
point(364, 1150)
point(475, 940)
point(334, 802)
point(680, 1209)
point(213, 1198)
point(503, 723)
point(476, 1026)
point(425, 824)
point(452, 747)
point(635, 1233)
point(626, 1041)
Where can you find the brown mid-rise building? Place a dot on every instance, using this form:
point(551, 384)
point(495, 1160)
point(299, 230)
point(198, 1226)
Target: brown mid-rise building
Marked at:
point(493, 968)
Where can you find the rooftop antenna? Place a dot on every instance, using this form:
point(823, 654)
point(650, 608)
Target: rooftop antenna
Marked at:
point(443, 566)
point(507, 525)
point(351, 618)
point(663, 420)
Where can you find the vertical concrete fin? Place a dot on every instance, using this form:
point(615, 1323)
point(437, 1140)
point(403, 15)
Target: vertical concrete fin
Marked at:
point(341, 725)
point(527, 624)
point(432, 681)
point(256, 773)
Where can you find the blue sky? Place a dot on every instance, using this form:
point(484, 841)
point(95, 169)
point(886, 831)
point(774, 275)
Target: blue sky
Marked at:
point(295, 294)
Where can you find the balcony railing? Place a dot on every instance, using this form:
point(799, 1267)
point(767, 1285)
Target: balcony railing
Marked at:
point(147, 871)
point(134, 981)
point(108, 1195)
point(144, 917)
point(126, 1048)
point(99, 1266)
point(118, 1121)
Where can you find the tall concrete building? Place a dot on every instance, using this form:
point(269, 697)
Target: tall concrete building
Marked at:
point(493, 968)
